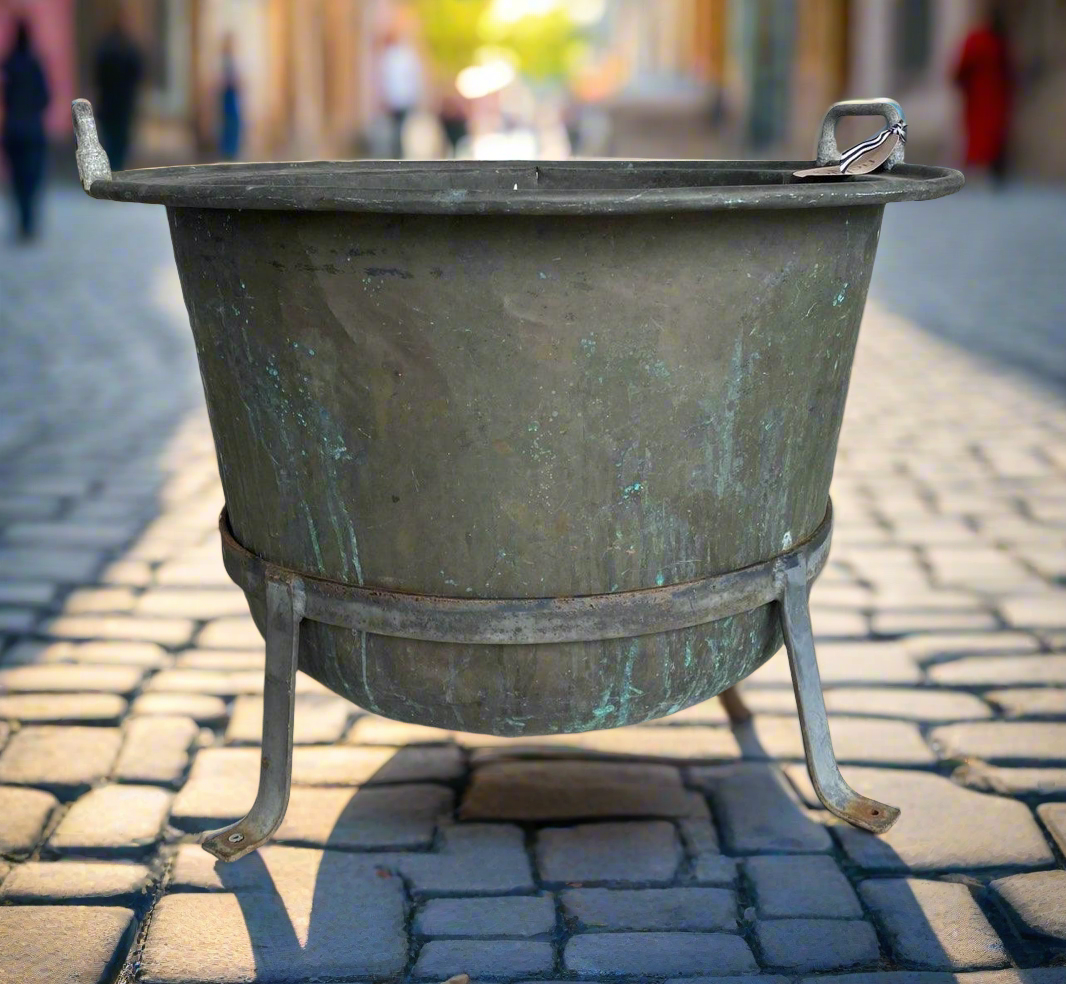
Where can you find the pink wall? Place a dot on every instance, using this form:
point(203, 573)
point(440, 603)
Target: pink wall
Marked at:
point(52, 23)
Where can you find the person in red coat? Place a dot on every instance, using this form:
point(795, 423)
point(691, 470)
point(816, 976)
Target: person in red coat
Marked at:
point(983, 72)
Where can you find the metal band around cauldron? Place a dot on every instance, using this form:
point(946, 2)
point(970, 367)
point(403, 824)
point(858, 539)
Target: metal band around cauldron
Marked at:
point(529, 621)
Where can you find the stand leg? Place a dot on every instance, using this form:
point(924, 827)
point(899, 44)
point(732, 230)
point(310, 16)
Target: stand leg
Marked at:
point(735, 708)
point(284, 605)
point(836, 795)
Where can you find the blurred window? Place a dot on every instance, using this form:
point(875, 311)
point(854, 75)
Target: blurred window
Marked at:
point(914, 35)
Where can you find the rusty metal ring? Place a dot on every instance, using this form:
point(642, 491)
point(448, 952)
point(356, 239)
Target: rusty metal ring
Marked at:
point(529, 621)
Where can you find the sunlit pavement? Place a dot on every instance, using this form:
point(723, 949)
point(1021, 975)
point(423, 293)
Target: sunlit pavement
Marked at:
point(130, 675)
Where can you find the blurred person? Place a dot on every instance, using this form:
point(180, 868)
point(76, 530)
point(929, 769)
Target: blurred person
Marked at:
point(119, 71)
point(229, 138)
point(401, 84)
point(984, 74)
point(454, 119)
point(25, 99)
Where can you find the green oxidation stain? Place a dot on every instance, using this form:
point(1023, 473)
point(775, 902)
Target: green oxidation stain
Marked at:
point(628, 691)
point(660, 580)
point(688, 653)
point(658, 370)
point(370, 699)
point(839, 299)
point(313, 533)
point(588, 345)
point(631, 490)
point(338, 451)
point(533, 427)
point(272, 371)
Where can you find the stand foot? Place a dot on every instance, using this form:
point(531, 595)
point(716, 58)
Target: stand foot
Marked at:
point(735, 708)
point(284, 612)
point(836, 795)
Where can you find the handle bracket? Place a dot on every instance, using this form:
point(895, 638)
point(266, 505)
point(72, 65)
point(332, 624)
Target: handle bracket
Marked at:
point(829, 153)
point(93, 163)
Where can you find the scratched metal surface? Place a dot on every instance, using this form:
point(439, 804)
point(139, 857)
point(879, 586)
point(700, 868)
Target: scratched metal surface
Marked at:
point(526, 406)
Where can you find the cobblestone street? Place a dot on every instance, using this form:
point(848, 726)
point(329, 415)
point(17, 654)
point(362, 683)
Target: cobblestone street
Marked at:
point(131, 682)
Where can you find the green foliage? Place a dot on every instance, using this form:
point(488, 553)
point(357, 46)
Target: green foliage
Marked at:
point(545, 47)
point(450, 31)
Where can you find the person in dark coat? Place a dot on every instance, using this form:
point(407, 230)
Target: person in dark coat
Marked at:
point(25, 98)
point(229, 98)
point(119, 70)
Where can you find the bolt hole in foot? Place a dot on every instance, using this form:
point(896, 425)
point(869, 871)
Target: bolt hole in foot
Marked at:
point(235, 838)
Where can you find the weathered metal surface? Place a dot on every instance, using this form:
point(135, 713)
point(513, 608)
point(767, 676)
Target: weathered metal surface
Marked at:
point(526, 621)
point(526, 407)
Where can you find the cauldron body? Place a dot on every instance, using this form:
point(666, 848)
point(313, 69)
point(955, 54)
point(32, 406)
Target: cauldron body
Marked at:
point(526, 406)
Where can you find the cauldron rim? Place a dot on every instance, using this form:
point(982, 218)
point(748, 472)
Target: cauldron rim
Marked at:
point(576, 187)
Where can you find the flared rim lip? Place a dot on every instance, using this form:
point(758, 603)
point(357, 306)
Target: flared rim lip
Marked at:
point(416, 187)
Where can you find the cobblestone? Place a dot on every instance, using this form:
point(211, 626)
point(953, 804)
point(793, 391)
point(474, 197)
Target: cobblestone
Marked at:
point(165, 631)
point(74, 944)
point(657, 954)
point(64, 709)
point(1003, 741)
point(72, 882)
point(96, 652)
point(1011, 782)
point(932, 924)
point(74, 679)
point(222, 782)
point(815, 944)
point(63, 760)
point(999, 671)
point(906, 703)
point(635, 853)
point(706, 910)
point(1025, 702)
point(295, 923)
point(943, 827)
point(1036, 902)
point(1053, 816)
point(156, 750)
point(758, 812)
point(25, 813)
point(439, 960)
point(113, 821)
point(518, 916)
point(544, 791)
point(812, 886)
point(320, 720)
point(860, 740)
point(202, 708)
point(374, 818)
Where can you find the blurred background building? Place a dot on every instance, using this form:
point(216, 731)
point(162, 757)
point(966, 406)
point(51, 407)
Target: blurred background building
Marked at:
point(689, 78)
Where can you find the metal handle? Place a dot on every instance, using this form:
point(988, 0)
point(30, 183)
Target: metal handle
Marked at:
point(93, 164)
point(829, 153)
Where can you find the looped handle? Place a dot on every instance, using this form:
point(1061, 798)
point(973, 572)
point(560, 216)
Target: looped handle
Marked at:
point(829, 153)
point(93, 163)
